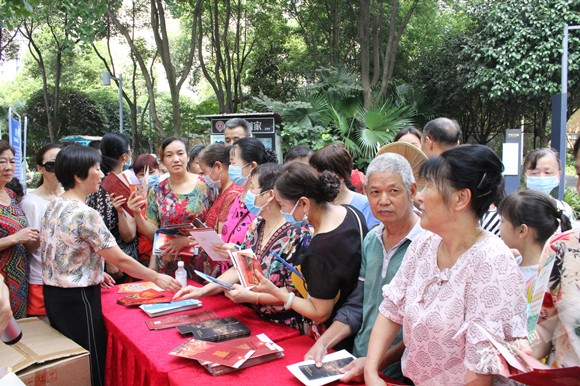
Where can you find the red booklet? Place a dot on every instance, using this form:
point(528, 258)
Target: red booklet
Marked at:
point(265, 350)
point(145, 297)
point(113, 184)
point(213, 352)
point(164, 322)
point(554, 377)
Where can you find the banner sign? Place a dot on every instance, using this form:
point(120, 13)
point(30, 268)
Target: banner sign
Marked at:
point(15, 138)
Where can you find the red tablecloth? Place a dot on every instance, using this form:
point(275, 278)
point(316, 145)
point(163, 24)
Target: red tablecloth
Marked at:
point(272, 373)
point(137, 356)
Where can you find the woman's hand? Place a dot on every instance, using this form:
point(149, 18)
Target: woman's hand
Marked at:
point(168, 283)
point(117, 202)
point(136, 203)
point(26, 235)
point(265, 285)
point(224, 249)
point(240, 295)
point(108, 281)
point(316, 353)
point(173, 247)
point(354, 371)
point(189, 292)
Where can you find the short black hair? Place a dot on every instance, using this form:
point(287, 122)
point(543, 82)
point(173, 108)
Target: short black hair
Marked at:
point(16, 187)
point(473, 167)
point(194, 151)
point(334, 158)
point(96, 144)
point(237, 122)
point(75, 161)
point(408, 130)
point(267, 175)
point(535, 209)
point(532, 158)
point(253, 150)
point(443, 130)
point(300, 151)
point(216, 152)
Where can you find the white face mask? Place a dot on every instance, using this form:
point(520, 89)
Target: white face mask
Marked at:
point(210, 182)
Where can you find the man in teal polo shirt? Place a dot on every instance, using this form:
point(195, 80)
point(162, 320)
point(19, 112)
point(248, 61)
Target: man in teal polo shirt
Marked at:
point(391, 190)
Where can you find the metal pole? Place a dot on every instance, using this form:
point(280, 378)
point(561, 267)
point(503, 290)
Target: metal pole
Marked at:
point(121, 102)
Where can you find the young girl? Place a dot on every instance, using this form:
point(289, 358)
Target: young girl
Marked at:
point(528, 219)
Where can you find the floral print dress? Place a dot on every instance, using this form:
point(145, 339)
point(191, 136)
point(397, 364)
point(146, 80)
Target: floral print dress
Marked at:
point(562, 298)
point(440, 310)
point(165, 207)
point(286, 242)
point(13, 260)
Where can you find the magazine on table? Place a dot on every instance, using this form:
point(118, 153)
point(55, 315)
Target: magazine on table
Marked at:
point(214, 352)
point(310, 375)
point(170, 308)
point(148, 296)
point(265, 350)
point(245, 263)
point(171, 321)
point(138, 287)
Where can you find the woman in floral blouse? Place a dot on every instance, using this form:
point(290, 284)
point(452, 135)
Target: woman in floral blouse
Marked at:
point(75, 244)
point(178, 199)
point(268, 232)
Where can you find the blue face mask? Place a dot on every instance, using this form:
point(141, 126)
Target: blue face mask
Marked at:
point(153, 179)
point(235, 173)
point(542, 184)
point(211, 183)
point(250, 202)
point(289, 217)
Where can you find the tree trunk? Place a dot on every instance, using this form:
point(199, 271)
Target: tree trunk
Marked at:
point(363, 28)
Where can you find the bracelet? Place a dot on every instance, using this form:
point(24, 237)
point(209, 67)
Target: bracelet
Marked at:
point(258, 299)
point(289, 302)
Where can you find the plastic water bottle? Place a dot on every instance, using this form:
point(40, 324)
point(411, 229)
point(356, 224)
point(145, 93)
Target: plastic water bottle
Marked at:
point(181, 274)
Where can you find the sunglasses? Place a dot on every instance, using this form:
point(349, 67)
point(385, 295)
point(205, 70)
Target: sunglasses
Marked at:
point(49, 166)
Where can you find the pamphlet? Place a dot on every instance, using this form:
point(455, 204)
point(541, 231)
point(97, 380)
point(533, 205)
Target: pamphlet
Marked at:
point(112, 184)
point(214, 352)
point(171, 321)
point(245, 263)
point(207, 237)
point(170, 308)
point(310, 375)
point(138, 287)
point(163, 236)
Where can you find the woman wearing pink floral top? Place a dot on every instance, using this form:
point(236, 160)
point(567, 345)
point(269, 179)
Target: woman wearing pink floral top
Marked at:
point(455, 279)
point(246, 154)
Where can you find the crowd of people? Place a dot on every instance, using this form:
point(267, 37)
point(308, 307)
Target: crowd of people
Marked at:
point(404, 279)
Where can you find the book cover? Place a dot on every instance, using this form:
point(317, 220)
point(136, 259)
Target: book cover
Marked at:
point(113, 184)
point(310, 375)
point(163, 236)
point(138, 287)
point(188, 328)
point(265, 350)
point(222, 333)
point(215, 352)
point(245, 263)
point(171, 307)
point(143, 297)
point(554, 377)
point(328, 369)
point(165, 322)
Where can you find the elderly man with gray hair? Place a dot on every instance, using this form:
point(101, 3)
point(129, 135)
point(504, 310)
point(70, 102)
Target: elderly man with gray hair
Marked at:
point(237, 128)
point(391, 191)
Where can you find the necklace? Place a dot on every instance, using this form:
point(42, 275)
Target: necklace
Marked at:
point(266, 237)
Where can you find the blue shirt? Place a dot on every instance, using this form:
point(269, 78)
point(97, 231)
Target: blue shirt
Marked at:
point(361, 202)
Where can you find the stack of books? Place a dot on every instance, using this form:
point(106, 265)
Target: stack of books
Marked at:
point(171, 307)
point(225, 357)
point(216, 330)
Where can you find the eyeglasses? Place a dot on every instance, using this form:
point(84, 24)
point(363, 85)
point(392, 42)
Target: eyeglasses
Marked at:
point(49, 166)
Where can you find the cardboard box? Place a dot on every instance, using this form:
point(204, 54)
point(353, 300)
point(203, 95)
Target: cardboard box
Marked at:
point(45, 357)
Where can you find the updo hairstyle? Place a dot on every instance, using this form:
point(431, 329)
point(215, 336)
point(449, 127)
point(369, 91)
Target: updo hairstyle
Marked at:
point(300, 180)
point(253, 150)
point(473, 167)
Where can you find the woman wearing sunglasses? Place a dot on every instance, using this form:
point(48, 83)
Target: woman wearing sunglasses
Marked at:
point(34, 205)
